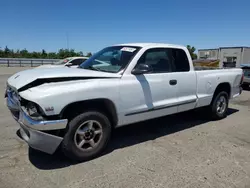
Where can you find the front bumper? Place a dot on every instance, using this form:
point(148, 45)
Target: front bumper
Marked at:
point(31, 130)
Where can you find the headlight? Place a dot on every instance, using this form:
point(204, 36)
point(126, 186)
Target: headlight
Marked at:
point(32, 109)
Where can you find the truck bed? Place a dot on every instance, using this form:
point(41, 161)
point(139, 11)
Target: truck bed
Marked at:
point(208, 78)
point(200, 68)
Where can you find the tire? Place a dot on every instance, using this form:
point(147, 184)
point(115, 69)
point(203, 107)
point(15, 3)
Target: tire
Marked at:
point(222, 113)
point(72, 138)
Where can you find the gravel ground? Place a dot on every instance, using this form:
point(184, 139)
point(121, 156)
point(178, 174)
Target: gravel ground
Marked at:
point(183, 150)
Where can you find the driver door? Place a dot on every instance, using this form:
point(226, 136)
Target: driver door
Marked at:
point(152, 94)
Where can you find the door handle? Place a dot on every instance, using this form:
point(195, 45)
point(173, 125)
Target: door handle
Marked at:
point(173, 82)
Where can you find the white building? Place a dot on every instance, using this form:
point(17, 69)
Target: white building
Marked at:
point(208, 54)
point(228, 56)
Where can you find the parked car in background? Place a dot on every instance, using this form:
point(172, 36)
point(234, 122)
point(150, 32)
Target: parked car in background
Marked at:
point(77, 109)
point(69, 62)
point(246, 70)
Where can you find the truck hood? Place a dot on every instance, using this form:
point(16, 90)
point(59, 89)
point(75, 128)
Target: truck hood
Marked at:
point(35, 77)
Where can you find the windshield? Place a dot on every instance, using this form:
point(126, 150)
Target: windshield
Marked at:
point(62, 62)
point(111, 59)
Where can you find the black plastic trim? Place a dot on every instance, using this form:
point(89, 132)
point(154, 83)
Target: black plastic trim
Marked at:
point(159, 108)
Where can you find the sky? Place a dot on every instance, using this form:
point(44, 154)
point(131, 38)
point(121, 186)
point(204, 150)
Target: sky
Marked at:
point(92, 25)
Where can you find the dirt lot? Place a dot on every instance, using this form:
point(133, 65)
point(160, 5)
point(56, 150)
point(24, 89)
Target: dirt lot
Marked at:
point(183, 150)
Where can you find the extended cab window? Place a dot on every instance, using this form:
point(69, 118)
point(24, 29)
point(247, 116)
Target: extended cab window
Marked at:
point(180, 60)
point(158, 59)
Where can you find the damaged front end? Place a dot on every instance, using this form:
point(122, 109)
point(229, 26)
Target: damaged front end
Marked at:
point(40, 122)
point(34, 128)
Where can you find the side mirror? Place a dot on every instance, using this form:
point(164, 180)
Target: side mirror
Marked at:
point(68, 64)
point(141, 69)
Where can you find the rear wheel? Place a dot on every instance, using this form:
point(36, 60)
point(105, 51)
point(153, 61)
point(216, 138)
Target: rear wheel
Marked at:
point(87, 136)
point(219, 106)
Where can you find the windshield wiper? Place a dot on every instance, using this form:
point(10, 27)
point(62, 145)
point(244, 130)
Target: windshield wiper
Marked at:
point(96, 69)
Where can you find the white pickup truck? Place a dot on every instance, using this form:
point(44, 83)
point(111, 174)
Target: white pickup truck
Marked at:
point(77, 109)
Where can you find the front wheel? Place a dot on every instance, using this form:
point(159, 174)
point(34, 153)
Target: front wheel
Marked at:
point(219, 106)
point(87, 136)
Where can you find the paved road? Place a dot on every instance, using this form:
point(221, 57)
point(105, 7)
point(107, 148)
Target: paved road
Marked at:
point(183, 150)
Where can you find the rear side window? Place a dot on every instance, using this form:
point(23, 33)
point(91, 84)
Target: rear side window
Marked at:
point(77, 61)
point(180, 60)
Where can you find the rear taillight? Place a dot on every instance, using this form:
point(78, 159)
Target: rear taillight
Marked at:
point(242, 78)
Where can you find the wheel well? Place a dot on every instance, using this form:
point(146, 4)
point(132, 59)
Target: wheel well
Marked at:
point(222, 87)
point(102, 105)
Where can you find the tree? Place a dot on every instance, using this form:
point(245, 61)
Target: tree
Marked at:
point(7, 51)
point(89, 54)
point(12, 53)
point(44, 54)
point(36, 55)
point(1, 52)
point(80, 53)
point(17, 54)
point(191, 51)
point(24, 53)
point(52, 55)
point(61, 54)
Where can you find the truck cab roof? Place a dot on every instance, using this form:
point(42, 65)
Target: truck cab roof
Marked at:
point(142, 45)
